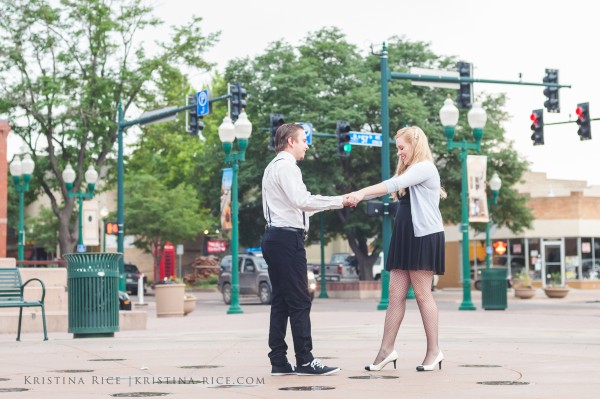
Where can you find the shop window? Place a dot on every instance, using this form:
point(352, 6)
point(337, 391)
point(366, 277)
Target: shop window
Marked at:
point(572, 261)
point(535, 258)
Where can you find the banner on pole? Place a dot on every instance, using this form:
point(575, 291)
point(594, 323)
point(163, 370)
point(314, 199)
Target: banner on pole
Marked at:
point(226, 222)
point(476, 178)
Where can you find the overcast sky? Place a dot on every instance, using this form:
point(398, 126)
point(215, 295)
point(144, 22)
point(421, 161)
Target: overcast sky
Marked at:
point(501, 38)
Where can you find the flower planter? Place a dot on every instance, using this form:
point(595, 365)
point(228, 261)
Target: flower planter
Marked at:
point(169, 299)
point(189, 304)
point(556, 292)
point(524, 292)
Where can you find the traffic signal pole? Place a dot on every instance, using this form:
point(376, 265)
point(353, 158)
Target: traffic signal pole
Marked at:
point(122, 125)
point(386, 76)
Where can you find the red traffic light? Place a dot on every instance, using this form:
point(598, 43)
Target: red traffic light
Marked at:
point(534, 118)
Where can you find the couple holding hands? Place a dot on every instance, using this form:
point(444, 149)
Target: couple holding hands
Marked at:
point(417, 247)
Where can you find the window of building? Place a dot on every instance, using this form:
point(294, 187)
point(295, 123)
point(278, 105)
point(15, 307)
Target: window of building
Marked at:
point(590, 255)
point(535, 258)
point(572, 262)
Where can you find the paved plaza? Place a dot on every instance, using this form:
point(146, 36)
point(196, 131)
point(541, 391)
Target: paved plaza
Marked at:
point(538, 348)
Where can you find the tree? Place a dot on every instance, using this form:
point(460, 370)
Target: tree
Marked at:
point(43, 230)
point(344, 85)
point(157, 214)
point(63, 72)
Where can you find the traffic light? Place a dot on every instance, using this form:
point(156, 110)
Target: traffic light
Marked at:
point(552, 104)
point(276, 121)
point(342, 132)
point(583, 120)
point(111, 228)
point(464, 99)
point(238, 100)
point(537, 126)
point(193, 121)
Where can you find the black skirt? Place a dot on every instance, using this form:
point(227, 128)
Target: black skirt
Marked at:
point(408, 252)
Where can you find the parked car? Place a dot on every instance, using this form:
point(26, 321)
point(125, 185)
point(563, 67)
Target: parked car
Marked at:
point(253, 278)
point(132, 275)
point(343, 266)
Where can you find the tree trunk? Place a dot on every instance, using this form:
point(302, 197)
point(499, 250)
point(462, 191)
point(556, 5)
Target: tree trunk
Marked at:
point(365, 261)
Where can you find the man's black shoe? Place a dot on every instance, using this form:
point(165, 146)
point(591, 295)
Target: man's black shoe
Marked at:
point(316, 368)
point(288, 369)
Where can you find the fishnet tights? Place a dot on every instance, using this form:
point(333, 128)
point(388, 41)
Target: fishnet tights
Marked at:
point(400, 281)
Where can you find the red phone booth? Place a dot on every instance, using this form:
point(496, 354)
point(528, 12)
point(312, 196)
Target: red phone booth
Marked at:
point(167, 261)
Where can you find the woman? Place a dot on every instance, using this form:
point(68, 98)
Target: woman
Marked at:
point(417, 248)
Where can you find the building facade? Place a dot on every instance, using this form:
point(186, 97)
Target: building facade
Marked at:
point(563, 244)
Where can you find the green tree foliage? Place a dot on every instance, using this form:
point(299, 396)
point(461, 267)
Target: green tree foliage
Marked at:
point(157, 214)
point(64, 68)
point(326, 79)
point(42, 230)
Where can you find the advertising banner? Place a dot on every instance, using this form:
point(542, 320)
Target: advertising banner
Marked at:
point(476, 177)
point(226, 199)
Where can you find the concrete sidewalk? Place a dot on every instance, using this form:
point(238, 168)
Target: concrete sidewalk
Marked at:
point(543, 348)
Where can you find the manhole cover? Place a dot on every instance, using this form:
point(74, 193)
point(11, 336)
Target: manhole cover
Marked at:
point(479, 365)
point(4, 379)
point(233, 386)
point(13, 389)
point(596, 301)
point(73, 371)
point(106, 360)
point(503, 383)
point(327, 357)
point(138, 394)
point(307, 388)
point(200, 367)
point(373, 377)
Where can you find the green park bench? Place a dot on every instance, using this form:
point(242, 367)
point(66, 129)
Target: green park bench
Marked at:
point(11, 295)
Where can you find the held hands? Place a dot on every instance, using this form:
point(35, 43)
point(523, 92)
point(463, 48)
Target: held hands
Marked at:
point(352, 199)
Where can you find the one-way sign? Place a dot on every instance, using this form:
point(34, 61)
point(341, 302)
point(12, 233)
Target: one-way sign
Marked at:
point(366, 139)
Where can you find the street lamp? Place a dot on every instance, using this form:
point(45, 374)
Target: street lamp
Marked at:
point(495, 184)
point(91, 177)
point(103, 215)
point(477, 118)
point(21, 172)
point(228, 132)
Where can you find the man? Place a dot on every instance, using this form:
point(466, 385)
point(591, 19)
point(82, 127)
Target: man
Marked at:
point(287, 205)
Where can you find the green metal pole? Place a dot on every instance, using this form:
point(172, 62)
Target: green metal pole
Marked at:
point(120, 200)
point(466, 304)
point(488, 256)
point(80, 238)
point(322, 235)
point(104, 235)
point(21, 190)
point(235, 284)
point(385, 174)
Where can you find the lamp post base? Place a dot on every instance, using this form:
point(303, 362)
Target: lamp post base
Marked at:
point(235, 309)
point(467, 306)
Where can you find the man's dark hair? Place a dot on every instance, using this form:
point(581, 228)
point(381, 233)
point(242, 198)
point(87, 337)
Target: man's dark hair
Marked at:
point(284, 132)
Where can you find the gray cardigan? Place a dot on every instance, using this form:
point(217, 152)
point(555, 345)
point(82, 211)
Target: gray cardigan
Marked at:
point(423, 181)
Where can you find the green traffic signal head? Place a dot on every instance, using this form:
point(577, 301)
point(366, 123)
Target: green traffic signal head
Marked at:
point(347, 147)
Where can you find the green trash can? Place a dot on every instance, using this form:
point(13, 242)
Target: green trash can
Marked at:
point(93, 285)
point(493, 289)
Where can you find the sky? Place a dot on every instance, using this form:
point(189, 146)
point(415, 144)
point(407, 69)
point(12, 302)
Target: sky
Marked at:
point(502, 39)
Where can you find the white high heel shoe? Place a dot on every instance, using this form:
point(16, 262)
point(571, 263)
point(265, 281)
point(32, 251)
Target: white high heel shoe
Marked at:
point(392, 357)
point(430, 367)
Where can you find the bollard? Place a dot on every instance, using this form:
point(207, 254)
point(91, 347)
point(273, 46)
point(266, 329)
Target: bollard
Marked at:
point(140, 291)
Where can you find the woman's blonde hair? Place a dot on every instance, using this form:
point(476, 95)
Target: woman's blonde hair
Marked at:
point(417, 139)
